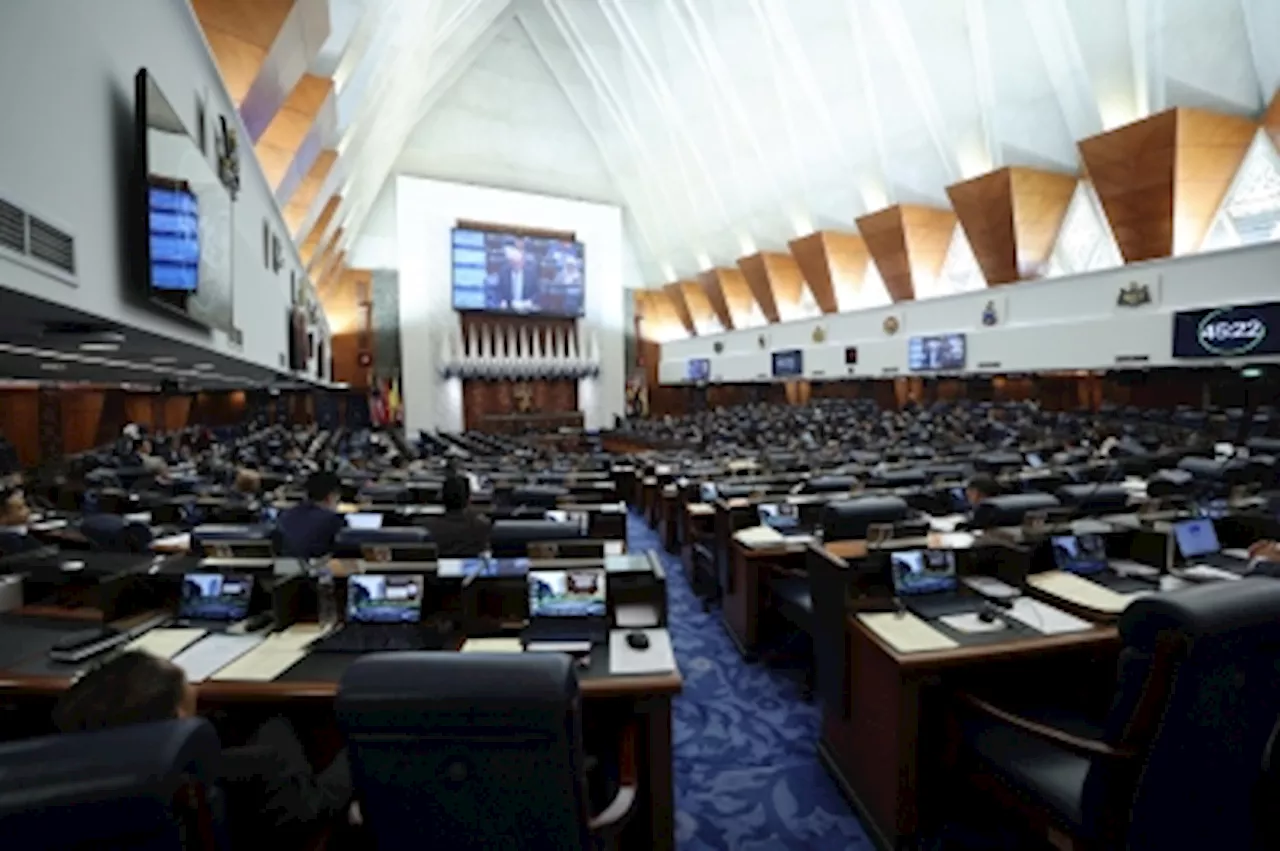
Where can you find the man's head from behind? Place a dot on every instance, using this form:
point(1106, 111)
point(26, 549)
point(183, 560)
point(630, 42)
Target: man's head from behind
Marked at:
point(323, 488)
point(980, 488)
point(132, 688)
point(13, 507)
point(456, 493)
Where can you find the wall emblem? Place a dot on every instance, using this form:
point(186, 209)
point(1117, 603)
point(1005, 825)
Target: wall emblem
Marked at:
point(1134, 295)
point(523, 394)
point(718, 347)
point(762, 341)
point(819, 334)
point(229, 157)
point(989, 315)
point(891, 325)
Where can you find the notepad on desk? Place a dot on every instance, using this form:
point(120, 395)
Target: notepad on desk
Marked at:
point(758, 536)
point(166, 642)
point(1044, 618)
point(276, 654)
point(492, 645)
point(1078, 591)
point(906, 633)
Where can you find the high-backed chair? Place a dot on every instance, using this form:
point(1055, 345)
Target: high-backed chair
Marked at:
point(907, 477)
point(1175, 761)
point(994, 462)
point(829, 484)
point(1009, 509)
point(378, 493)
point(1094, 498)
point(537, 496)
point(475, 752)
point(511, 538)
point(349, 542)
point(113, 533)
point(144, 787)
point(849, 520)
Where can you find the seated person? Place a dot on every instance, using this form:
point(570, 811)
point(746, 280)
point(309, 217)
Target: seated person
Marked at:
point(980, 487)
point(307, 530)
point(1268, 551)
point(246, 486)
point(272, 793)
point(14, 517)
point(459, 532)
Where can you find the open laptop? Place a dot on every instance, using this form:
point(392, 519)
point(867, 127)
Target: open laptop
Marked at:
point(1197, 542)
point(1086, 555)
point(926, 583)
point(1034, 460)
point(784, 518)
point(214, 601)
point(567, 607)
point(364, 520)
point(384, 611)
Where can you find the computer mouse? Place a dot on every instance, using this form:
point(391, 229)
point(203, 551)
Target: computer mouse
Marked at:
point(987, 616)
point(637, 641)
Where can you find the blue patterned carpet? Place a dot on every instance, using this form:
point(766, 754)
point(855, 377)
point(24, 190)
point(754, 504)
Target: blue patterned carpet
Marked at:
point(747, 771)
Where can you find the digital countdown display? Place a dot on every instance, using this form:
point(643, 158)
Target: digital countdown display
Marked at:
point(1225, 332)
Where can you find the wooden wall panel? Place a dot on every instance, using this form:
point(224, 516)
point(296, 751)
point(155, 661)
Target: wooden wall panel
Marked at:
point(1210, 149)
point(81, 415)
point(481, 399)
point(138, 409)
point(20, 423)
point(907, 241)
point(1132, 171)
point(177, 412)
point(1271, 120)
point(675, 295)
point(701, 311)
point(1040, 202)
point(756, 276)
point(1011, 218)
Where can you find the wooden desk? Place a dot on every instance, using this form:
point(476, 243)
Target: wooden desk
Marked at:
point(748, 569)
point(609, 702)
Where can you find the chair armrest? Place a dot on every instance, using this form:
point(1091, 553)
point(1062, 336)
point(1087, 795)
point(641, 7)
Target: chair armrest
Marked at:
point(613, 817)
point(1086, 747)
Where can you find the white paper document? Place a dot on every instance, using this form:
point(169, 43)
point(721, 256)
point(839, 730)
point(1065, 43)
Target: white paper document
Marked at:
point(989, 586)
point(657, 658)
point(1080, 591)
point(166, 642)
point(492, 645)
point(615, 548)
point(173, 542)
point(971, 624)
point(276, 654)
point(635, 616)
point(1044, 618)
point(210, 654)
point(758, 536)
point(946, 522)
point(906, 633)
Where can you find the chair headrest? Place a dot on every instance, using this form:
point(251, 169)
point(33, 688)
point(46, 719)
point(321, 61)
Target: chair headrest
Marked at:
point(886, 508)
point(1250, 606)
point(231, 532)
point(1203, 468)
point(389, 535)
point(1093, 494)
point(509, 531)
point(830, 484)
point(904, 477)
point(1009, 509)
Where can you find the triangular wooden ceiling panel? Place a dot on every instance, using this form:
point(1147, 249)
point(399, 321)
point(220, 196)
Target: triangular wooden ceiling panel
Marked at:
point(907, 242)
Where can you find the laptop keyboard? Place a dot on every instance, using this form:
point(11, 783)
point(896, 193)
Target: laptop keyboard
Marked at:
point(367, 638)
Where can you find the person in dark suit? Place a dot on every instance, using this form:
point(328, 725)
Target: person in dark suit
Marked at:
point(460, 532)
point(979, 488)
point(307, 530)
point(518, 286)
point(14, 517)
point(273, 795)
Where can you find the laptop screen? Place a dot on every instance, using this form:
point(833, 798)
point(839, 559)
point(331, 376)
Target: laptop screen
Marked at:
point(1082, 554)
point(364, 520)
point(923, 572)
point(707, 492)
point(215, 596)
point(1196, 537)
point(567, 594)
point(384, 598)
point(778, 515)
point(1034, 459)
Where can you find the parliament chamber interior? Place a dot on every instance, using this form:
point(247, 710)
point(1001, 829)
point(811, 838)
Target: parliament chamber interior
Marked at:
point(715, 425)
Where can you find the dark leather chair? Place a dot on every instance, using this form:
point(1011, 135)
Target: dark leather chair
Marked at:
point(908, 477)
point(475, 752)
point(1166, 483)
point(537, 496)
point(849, 520)
point(349, 542)
point(995, 462)
point(1009, 509)
point(829, 484)
point(384, 494)
point(231, 532)
point(511, 538)
point(113, 534)
point(1175, 760)
point(1094, 499)
point(145, 787)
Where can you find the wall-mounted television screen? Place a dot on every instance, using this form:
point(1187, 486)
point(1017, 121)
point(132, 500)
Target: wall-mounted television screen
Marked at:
point(942, 352)
point(183, 225)
point(698, 369)
point(788, 364)
point(510, 273)
point(1223, 332)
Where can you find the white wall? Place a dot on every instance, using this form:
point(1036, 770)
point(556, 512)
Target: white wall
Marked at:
point(426, 212)
point(68, 148)
point(1058, 324)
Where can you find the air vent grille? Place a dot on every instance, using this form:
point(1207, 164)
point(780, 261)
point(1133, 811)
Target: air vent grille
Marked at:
point(53, 246)
point(13, 228)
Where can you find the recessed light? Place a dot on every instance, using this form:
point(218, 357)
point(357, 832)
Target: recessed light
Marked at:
point(54, 367)
point(202, 366)
point(162, 359)
point(99, 347)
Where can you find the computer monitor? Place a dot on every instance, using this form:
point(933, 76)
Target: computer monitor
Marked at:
point(1196, 537)
point(567, 593)
point(1034, 460)
point(215, 596)
point(923, 571)
point(782, 516)
point(707, 492)
point(384, 598)
point(365, 521)
point(959, 499)
point(1080, 554)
